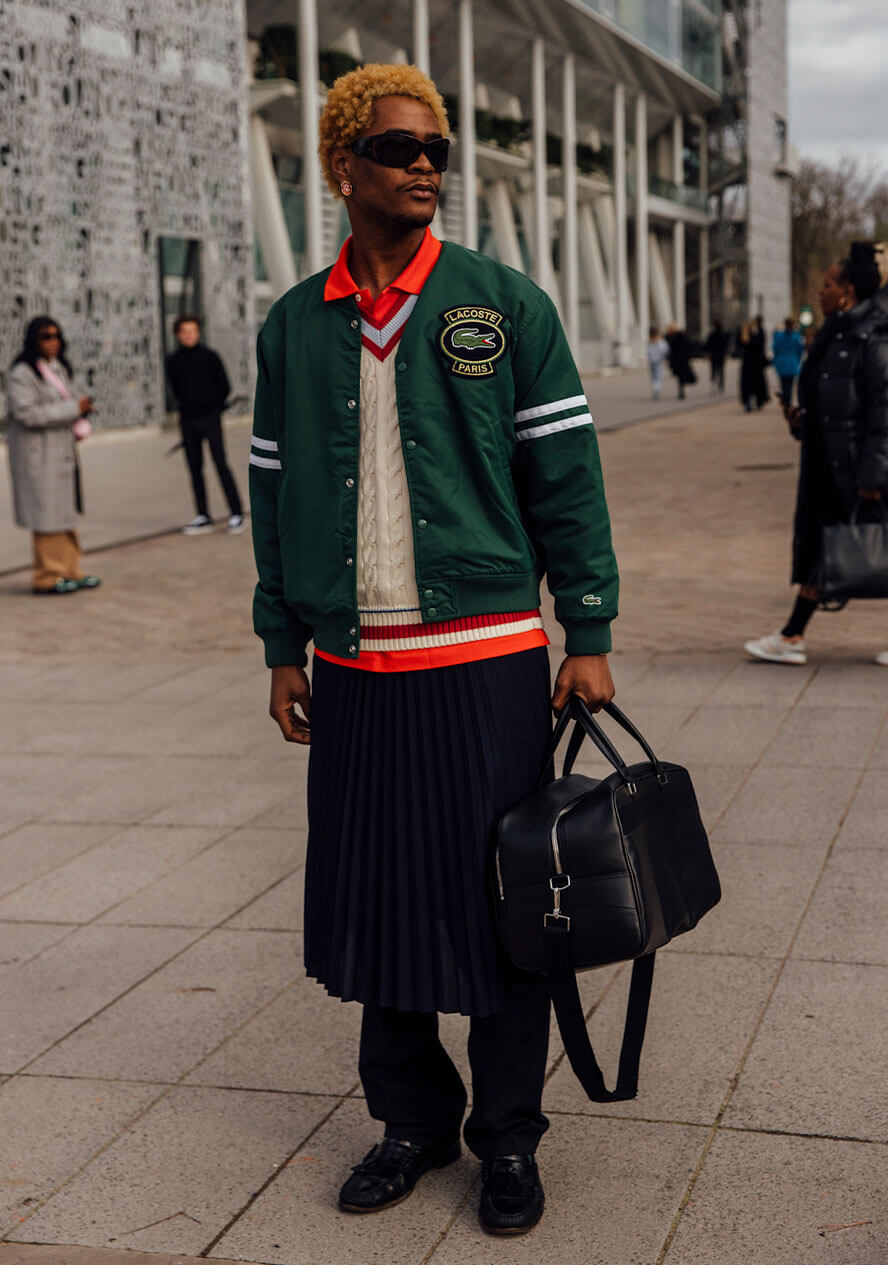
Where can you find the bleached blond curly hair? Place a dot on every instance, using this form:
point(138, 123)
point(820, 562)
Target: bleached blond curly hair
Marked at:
point(349, 107)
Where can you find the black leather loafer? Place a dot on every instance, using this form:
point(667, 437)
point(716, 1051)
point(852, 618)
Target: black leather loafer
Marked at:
point(511, 1195)
point(388, 1173)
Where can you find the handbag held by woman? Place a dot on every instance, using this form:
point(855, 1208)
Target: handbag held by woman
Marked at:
point(854, 559)
point(590, 872)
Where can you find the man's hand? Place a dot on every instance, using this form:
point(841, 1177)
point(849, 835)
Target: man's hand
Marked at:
point(290, 689)
point(869, 494)
point(587, 675)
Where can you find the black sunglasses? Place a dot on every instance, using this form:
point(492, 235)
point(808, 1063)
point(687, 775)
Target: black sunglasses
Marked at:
point(400, 149)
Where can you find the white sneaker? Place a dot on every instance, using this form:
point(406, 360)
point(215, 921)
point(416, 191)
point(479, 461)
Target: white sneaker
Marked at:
point(882, 658)
point(776, 649)
point(235, 524)
point(198, 526)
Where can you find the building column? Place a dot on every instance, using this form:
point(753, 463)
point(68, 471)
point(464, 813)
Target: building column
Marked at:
point(594, 270)
point(642, 258)
point(421, 45)
point(502, 216)
point(661, 294)
point(310, 102)
point(541, 264)
point(705, 314)
point(271, 227)
point(570, 257)
point(679, 268)
point(467, 124)
point(620, 217)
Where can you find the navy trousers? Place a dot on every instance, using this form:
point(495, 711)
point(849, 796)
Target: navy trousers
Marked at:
point(413, 1087)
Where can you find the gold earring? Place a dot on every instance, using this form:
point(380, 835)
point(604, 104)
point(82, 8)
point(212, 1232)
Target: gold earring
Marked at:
point(345, 188)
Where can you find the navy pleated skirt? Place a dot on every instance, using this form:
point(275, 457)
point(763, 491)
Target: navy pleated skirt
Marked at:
point(408, 774)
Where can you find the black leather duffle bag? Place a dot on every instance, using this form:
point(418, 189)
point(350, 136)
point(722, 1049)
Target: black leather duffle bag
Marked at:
point(590, 872)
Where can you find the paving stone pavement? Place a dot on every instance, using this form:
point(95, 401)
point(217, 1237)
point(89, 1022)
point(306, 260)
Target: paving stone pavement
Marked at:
point(173, 1089)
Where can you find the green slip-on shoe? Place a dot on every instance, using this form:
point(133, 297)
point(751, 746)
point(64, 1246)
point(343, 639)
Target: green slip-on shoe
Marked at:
point(60, 586)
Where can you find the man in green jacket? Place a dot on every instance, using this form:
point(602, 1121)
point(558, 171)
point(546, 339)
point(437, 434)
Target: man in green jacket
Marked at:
point(422, 454)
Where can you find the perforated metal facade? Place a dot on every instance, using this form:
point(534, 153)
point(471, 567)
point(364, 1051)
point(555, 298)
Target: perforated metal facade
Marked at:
point(120, 125)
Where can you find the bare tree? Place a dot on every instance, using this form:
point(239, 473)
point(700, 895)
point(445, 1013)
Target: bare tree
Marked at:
point(831, 207)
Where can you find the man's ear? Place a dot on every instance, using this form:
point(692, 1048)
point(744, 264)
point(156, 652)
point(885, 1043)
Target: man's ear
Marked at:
point(340, 165)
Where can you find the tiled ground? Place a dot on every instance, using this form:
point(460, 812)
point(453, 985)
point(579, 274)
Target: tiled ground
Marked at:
point(172, 1085)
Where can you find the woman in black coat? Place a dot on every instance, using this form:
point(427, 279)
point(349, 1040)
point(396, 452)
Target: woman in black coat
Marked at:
point(754, 358)
point(842, 422)
point(680, 351)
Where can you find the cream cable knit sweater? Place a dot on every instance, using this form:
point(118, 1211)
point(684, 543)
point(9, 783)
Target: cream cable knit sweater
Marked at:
point(386, 578)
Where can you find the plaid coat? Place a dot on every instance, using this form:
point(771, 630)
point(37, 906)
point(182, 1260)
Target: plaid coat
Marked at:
point(42, 463)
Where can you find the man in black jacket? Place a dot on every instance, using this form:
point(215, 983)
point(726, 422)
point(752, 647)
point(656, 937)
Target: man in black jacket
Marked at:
point(200, 385)
point(716, 348)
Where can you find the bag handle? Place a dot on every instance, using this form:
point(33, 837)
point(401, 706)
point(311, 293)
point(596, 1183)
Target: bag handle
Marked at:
point(596, 733)
point(634, 732)
point(572, 1022)
point(587, 726)
point(610, 753)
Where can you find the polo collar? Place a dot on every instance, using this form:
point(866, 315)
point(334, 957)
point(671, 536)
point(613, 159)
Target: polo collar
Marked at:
point(341, 284)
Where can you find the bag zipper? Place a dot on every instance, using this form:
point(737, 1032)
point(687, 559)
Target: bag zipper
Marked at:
point(553, 838)
point(553, 843)
point(499, 875)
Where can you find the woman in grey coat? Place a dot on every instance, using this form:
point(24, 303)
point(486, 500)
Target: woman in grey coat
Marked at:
point(45, 418)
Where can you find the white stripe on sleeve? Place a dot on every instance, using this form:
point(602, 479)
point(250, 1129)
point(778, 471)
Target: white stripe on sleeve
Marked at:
point(566, 423)
point(268, 445)
point(267, 463)
point(557, 406)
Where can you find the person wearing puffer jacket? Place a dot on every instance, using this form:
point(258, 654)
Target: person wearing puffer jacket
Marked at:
point(787, 348)
point(880, 254)
point(842, 423)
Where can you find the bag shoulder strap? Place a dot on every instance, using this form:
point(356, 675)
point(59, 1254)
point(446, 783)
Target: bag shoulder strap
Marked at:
point(572, 1022)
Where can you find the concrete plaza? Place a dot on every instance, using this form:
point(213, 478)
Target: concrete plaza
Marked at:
point(172, 1087)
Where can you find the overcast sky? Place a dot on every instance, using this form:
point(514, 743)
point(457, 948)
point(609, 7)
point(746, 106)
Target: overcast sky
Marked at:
point(838, 78)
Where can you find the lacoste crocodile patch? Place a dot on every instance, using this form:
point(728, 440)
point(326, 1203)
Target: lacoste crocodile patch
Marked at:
point(472, 340)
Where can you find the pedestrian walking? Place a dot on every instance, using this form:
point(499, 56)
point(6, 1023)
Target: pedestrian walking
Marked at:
point(842, 423)
point(200, 386)
point(46, 417)
point(716, 348)
point(657, 355)
point(680, 358)
point(754, 358)
point(879, 250)
point(787, 350)
point(422, 448)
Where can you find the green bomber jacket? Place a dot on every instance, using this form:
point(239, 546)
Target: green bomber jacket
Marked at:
point(499, 449)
